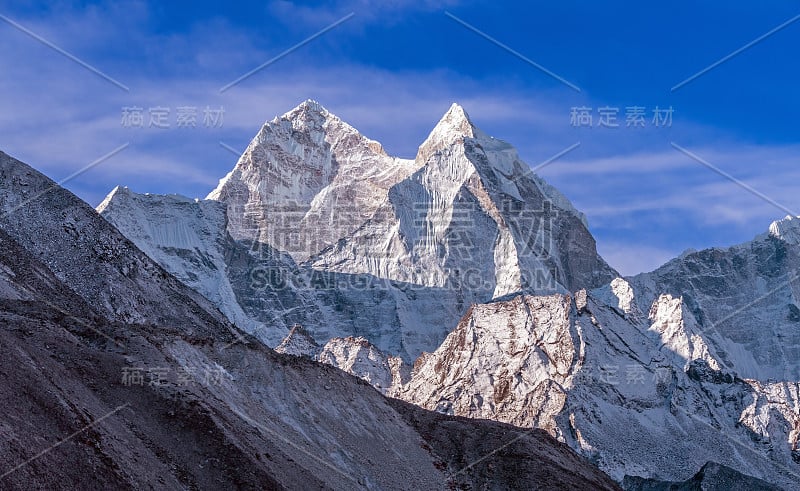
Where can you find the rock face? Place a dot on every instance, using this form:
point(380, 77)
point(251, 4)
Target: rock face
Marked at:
point(299, 343)
point(326, 230)
point(307, 180)
point(157, 390)
point(359, 357)
point(189, 238)
point(639, 396)
point(507, 361)
point(474, 218)
point(356, 356)
point(744, 298)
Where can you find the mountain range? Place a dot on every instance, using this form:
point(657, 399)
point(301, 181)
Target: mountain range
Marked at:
point(459, 284)
point(116, 375)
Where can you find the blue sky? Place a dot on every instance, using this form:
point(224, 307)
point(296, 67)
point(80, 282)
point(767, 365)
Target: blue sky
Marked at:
point(393, 68)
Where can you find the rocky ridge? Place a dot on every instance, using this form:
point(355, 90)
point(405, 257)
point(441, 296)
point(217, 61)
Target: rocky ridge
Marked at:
point(141, 383)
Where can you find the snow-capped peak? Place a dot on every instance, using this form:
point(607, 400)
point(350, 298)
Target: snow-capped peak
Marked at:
point(454, 126)
point(787, 229)
point(306, 110)
point(312, 116)
point(456, 120)
point(308, 105)
point(107, 200)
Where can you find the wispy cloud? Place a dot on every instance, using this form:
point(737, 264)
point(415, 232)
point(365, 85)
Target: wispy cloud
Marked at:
point(663, 201)
point(384, 12)
point(630, 258)
point(666, 180)
point(633, 186)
